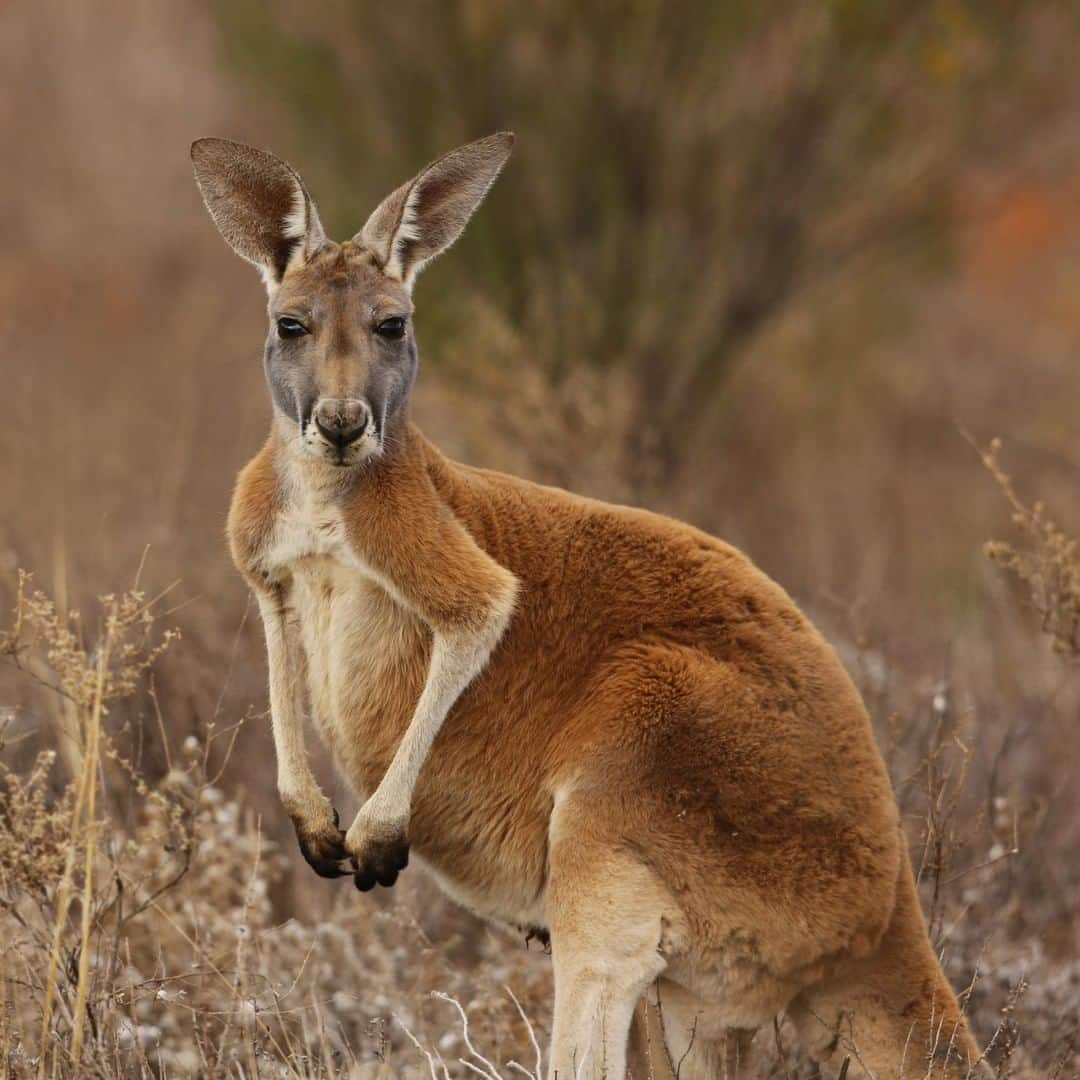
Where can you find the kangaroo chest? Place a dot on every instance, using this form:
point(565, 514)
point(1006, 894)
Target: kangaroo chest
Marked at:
point(365, 653)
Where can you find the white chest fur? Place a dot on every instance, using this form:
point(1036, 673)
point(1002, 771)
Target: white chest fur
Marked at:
point(365, 651)
point(310, 524)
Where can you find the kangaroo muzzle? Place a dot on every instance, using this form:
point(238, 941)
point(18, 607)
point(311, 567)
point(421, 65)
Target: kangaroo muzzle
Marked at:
point(341, 421)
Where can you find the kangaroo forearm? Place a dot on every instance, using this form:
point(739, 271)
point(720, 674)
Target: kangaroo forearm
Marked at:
point(297, 786)
point(455, 662)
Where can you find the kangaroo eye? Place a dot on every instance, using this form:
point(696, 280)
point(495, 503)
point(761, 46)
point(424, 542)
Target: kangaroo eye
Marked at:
point(288, 328)
point(391, 328)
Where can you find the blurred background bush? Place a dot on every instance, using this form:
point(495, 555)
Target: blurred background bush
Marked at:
point(762, 266)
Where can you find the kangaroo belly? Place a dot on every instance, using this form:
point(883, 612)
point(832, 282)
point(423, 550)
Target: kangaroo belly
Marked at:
point(482, 832)
point(366, 658)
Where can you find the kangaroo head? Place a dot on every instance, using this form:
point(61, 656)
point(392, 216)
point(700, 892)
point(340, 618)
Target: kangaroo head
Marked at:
point(340, 354)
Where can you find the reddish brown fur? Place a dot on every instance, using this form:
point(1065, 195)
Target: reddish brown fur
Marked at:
point(692, 708)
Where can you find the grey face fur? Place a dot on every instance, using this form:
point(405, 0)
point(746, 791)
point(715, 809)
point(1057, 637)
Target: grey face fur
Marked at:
point(340, 354)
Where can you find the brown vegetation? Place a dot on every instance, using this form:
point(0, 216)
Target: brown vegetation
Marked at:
point(933, 283)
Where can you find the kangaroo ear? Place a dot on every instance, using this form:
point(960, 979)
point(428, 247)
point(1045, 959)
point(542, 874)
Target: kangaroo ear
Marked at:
point(259, 204)
point(425, 216)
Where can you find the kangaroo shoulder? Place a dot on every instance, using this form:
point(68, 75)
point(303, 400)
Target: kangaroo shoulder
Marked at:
point(255, 504)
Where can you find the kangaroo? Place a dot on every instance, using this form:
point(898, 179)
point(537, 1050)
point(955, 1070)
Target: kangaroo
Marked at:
point(584, 719)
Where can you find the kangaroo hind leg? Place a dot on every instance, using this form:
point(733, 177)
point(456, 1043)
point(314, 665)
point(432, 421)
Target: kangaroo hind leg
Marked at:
point(699, 1046)
point(612, 925)
point(893, 1013)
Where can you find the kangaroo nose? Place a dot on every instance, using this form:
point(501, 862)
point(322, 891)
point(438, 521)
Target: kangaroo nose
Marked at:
point(341, 422)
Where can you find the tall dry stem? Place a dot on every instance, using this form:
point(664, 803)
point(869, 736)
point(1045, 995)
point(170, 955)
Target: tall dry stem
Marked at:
point(64, 711)
point(90, 766)
point(63, 902)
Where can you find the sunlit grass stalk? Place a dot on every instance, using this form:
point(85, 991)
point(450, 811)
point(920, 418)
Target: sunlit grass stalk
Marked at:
point(63, 901)
point(65, 712)
point(93, 739)
point(7, 1020)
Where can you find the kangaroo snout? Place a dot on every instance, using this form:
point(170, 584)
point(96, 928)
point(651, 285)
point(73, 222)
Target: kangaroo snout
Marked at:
point(342, 431)
point(341, 421)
